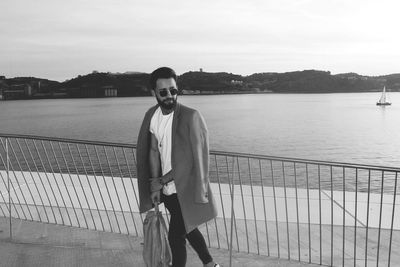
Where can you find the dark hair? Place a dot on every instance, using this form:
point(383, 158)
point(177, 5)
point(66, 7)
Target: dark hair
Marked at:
point(161, 73)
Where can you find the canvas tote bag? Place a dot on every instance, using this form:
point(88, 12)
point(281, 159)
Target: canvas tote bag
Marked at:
point(156, 249)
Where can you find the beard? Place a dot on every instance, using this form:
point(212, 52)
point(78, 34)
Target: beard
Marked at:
point(168, 103)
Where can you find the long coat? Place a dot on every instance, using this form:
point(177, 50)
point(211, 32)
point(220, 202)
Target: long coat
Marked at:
point(189, 159)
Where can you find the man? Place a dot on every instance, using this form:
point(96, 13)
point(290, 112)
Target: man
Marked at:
point(172, 165)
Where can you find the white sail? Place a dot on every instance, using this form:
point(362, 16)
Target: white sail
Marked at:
point(383, 100)
point(383, 96)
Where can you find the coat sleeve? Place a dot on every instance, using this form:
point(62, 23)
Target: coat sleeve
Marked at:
point(200, 150)
point(143, 168)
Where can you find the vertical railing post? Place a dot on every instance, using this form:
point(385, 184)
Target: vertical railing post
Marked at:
point(331, 215)
point(391, 225)
point(8, 185)
point(367, 224)
point(286, 209)
point(275, 209)
point(232, 212)
point(380, 220)
point(355, 220)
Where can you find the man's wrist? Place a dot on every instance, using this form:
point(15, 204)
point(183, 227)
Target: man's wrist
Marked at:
point(155, 184)
point(167, 178)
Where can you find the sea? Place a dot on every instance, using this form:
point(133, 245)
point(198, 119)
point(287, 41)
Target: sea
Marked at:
point(339, 127)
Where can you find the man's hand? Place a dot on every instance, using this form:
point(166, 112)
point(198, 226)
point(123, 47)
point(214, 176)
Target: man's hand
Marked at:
point(155, 197)
point(155, 184)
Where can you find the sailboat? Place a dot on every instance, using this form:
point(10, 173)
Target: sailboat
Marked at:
point(383, 101)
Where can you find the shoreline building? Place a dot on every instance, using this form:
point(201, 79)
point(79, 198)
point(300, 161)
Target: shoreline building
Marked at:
point(18, 91)
point(110, 91)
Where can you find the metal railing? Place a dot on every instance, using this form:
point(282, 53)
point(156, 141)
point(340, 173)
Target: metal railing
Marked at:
point(327, 213)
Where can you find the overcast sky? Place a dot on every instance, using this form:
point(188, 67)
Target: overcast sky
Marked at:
point(61, 39)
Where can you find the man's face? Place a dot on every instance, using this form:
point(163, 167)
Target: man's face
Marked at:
point(166, 93)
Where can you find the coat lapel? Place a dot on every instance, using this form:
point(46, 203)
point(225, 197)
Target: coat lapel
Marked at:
point(174, 126)
point(175, 121)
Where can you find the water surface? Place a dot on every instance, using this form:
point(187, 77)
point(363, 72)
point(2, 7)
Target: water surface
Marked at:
point(335, 127)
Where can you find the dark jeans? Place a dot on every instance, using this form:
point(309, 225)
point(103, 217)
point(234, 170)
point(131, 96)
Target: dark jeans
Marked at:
point(177, 235)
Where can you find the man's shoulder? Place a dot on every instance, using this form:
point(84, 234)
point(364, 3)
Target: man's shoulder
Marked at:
point(190, 115)
point(187, 110)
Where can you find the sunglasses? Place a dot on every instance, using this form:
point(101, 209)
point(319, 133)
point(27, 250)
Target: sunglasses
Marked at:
point(164, 92)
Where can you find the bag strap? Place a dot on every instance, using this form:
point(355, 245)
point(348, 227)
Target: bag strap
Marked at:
point(156, 207)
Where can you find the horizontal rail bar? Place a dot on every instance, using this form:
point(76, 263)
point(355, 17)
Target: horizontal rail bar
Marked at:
point(67, 140)
point(306, 161)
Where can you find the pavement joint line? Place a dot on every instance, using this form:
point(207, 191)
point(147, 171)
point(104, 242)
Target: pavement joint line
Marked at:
point(348, 212)
point(60, 246)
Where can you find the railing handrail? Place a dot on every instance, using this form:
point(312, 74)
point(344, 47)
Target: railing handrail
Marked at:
point(307, 161)
point(213, 152)
point(67, 140)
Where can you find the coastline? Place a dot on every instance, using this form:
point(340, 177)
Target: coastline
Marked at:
point(65, 96)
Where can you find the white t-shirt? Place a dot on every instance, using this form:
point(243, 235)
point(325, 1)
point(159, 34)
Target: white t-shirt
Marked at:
point(161, 127)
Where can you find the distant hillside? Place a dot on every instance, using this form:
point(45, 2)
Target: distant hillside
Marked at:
point(101, 84)
point(26, 87)
point(205, 82)
point(94, 84)
point(313, 81)
point(307, 81)
point(41, 84)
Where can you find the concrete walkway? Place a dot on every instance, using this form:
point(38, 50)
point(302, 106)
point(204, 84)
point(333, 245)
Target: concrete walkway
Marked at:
point(324, 226)
point(38, 244)
point(120, 194)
